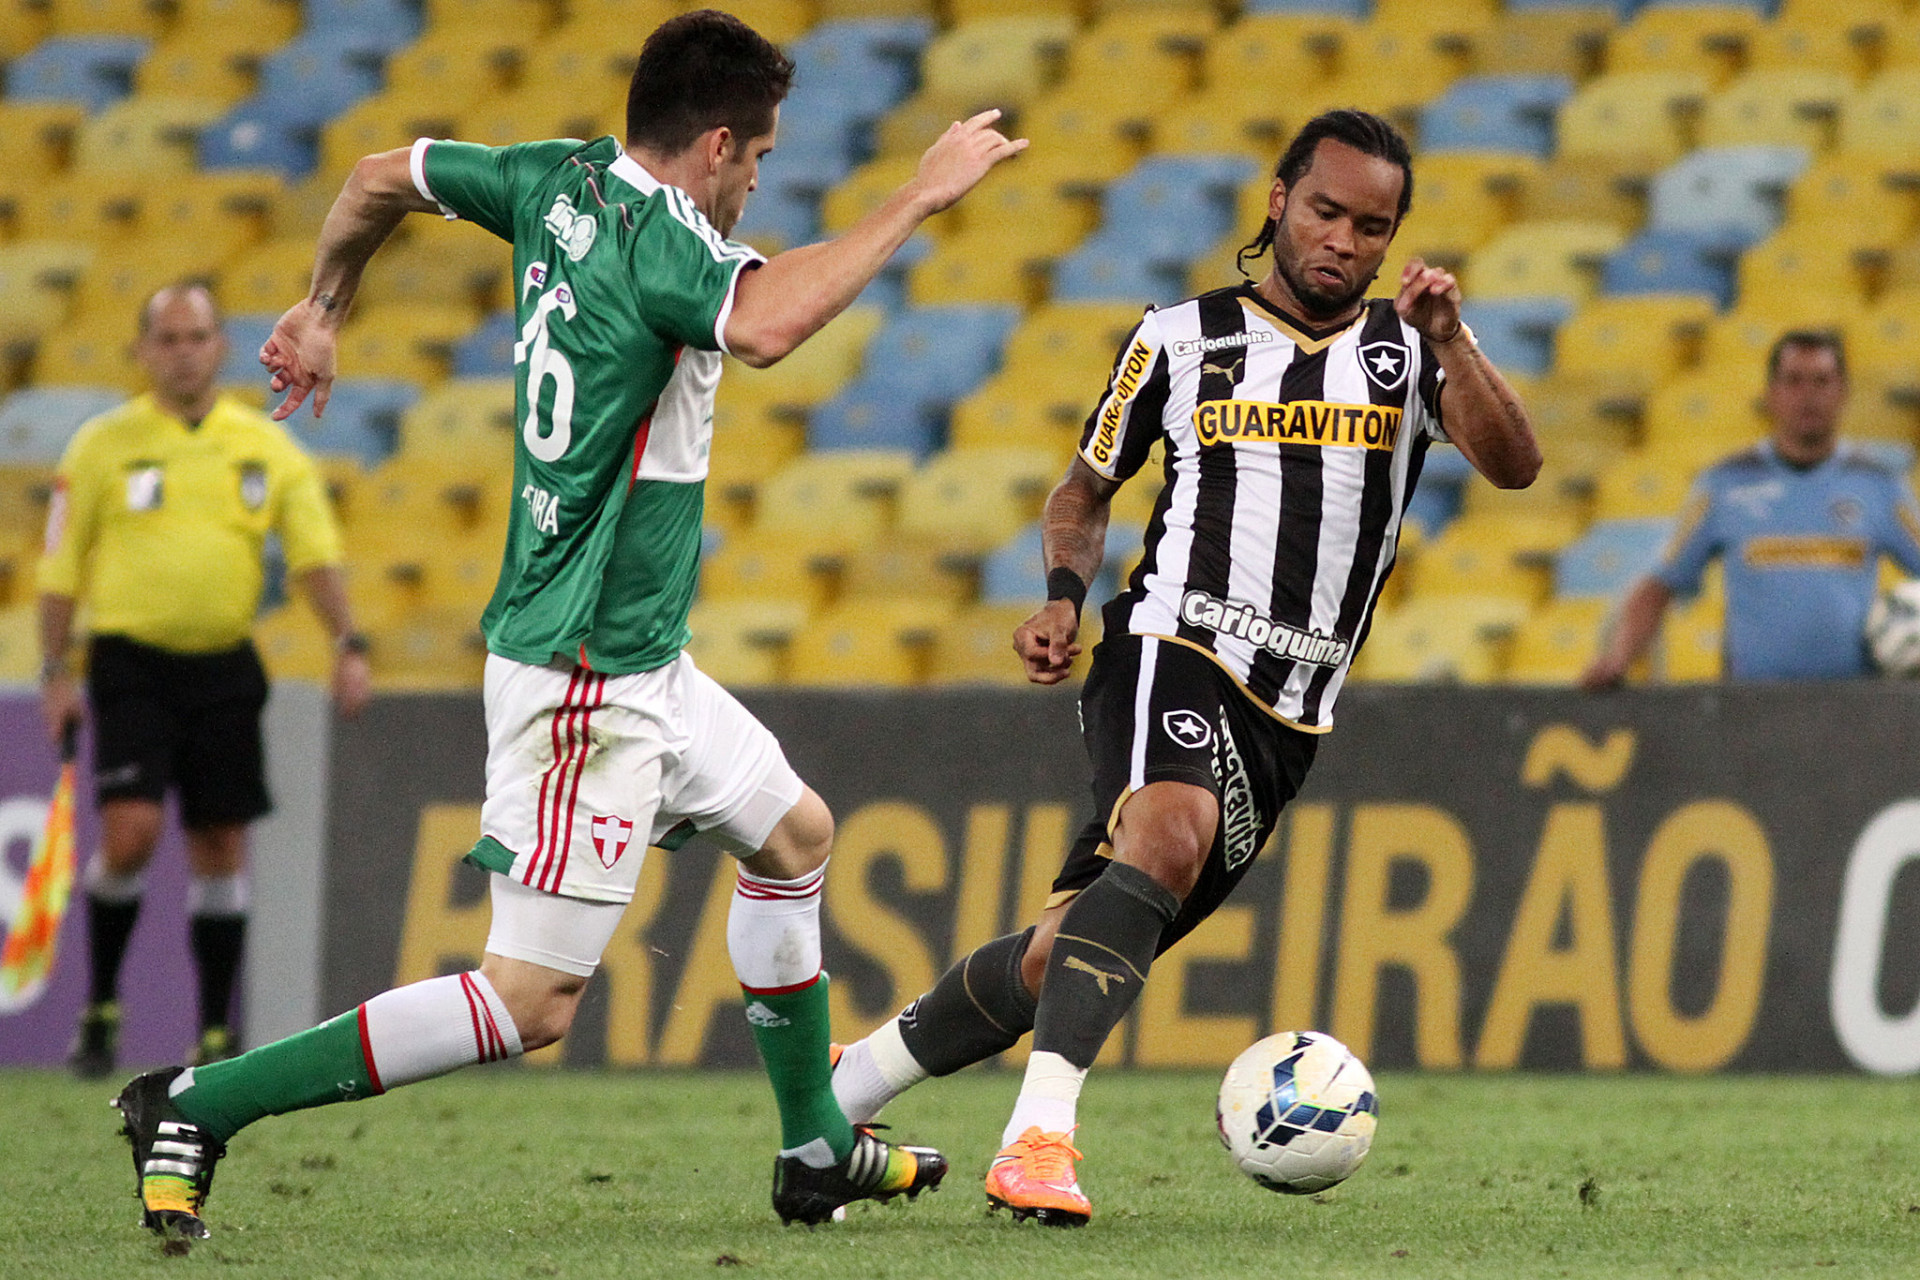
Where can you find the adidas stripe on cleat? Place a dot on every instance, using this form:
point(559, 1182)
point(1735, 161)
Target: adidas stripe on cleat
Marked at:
point(173, 1160)
point(1034, 1178)
point(873, 1170)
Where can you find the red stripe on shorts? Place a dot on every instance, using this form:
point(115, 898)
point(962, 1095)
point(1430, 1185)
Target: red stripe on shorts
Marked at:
point(546, 779)
point(580, 767)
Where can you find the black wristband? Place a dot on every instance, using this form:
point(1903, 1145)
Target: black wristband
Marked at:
point(1064, 584)
point(352, 642)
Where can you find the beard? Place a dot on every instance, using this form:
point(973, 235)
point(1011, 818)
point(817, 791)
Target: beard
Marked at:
point(1318, 301)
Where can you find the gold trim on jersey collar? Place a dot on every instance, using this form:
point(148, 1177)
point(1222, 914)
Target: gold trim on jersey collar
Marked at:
point(1308, 344)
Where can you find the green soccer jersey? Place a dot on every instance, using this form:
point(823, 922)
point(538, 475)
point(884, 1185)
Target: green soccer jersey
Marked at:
point(624, 290)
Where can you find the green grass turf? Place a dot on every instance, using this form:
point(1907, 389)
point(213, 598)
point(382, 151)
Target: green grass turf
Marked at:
point(519, 1173)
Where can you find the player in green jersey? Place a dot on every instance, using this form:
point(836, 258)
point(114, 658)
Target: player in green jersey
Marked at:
point(603, 738)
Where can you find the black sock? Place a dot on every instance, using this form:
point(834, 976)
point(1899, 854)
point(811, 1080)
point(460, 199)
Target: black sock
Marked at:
point(109, 925)
point(979, 1007)
point(1100, 958)
point(216, 943)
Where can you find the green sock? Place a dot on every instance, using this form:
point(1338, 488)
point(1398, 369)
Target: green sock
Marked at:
point(791, 1029)
point(309, 1069)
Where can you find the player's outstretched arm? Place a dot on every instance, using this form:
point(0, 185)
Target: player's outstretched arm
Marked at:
point(791, 298)
point(299, 353)
point(1073, 540)
point(1632, 635)
point(1484, 416)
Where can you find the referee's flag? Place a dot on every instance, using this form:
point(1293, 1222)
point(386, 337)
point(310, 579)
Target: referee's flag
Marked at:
point(26, 962)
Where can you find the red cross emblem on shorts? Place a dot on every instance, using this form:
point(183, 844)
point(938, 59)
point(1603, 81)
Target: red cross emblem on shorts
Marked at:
point(610, 837)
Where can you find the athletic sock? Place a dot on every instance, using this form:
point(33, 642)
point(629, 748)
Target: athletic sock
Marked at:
point(216, 942)
point(113, 905)
point(773, 937)
point(1098, 964)
point(413, 1033)
point(873, 1072)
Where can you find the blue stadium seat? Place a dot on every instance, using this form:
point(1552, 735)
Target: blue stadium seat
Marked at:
point(362, 419)
point(390, 23)
point(1729, 196)
point(246, 334)
point(1355, 9)
point(37, 422)
point(1495, 113)
point(875, 62)
point(1609, 557)
point(1010, 574)
point(1104, 270)
point(1170, 209)
point(487, 352)
point(923, 360)
point(1517, 333)
point(1434, 505)
point(888, 291)
point(1622, 9)
point(251, 137)
point(314, 77)
point(792, 180)
point(790, 217)
point(94, 70)
point(1670, 262)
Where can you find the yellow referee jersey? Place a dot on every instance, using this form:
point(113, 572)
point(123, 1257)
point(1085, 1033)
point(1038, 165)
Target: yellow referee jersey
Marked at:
point(160, 525)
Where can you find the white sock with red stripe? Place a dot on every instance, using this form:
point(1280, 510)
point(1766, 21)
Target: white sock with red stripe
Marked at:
point(773, 930)
point(433, 1027)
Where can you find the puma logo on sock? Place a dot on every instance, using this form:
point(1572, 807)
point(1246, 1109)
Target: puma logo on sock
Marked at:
point(1100, 976)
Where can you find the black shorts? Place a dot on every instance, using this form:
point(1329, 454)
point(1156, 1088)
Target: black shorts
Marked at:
point(1156, 711)
point(189, 721)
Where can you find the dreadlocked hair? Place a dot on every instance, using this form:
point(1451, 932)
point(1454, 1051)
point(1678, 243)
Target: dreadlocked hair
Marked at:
point(1365, 132)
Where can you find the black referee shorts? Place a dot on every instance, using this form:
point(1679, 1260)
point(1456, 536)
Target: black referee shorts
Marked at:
point(189, 721)
point(1156, 711)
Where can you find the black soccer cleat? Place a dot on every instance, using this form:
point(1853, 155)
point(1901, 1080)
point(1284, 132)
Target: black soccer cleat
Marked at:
point(173, 1160)
point(873, 1170)
point(95, 1042)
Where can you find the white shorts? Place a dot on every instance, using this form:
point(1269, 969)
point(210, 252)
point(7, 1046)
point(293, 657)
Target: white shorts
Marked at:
point(585, 771)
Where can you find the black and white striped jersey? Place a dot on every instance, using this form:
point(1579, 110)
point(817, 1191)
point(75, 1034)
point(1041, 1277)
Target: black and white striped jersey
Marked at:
point(1291, 454)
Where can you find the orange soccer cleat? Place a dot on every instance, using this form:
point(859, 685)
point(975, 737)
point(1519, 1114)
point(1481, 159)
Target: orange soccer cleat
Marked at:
point(1034, 1178)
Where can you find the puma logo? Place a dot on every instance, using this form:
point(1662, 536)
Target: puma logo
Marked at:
point(1100, 976)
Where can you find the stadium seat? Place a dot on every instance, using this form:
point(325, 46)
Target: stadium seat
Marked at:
point(427, 648)
point(741, 642)
point(786, 565)
point(1819, 44)
point(876, 416)
point(1638, 341)
point(820, 367)
point(1796, 264)
point(1389, 68)
point(1493, 555)
point(252, 137)
point(362, 419)
point(975, 646)
point(1022, 411)
point(1887, 337)
point(439, 497)
point(1223, 119)
point(274, 21)
point(1661, 263)
point(1715, 409)
point(866, 643)
point(1534, 259)
point(37, 422)
point(871, 184)
point(487, 349)
point(92, 70)
point(1152, 50)
point(463, 416)
point(1556, 642)
point(1090, 132)
point(1883, 118)
point(1592, 188)
point(1607, 559)
point(1495, 113)
point(1001, 61)
point(403, 342)
point(1565, 40)
point(1170, 209)
point(226, 212)
point(974, 499)
point(1776, 108)
point(1691, 640)
point(1517, 333)
point(969, 270)
point(33, 301)
point(906, 568)
point(1011, 574)
point(1030, 218)
point(1736, 343)
point(392, 22)
point(1731, 195)
point(1452, 639)
point(317, 75)
point(1706, 39)
point(1643, 484)
point(294, 646)
point(380, 122)
point(154, 136)
point(849, 492)
point(1634, 117)
point(1299, 46)
point(915, 368)
point(874, 58)
point(1573, 411)
point(216, 66)
point(97, 208)
point(37, 137)
point(1353, 9)
point(1857, 189)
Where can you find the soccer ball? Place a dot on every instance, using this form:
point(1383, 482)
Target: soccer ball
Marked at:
point(1893, 630)
point(1297, 1112)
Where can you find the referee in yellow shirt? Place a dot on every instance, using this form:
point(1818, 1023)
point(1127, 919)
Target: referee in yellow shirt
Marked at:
point(160, 511)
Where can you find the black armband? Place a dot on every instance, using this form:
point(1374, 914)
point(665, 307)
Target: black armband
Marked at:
point(1064, 584)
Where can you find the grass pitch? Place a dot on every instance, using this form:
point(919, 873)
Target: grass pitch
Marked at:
point(516, 1173)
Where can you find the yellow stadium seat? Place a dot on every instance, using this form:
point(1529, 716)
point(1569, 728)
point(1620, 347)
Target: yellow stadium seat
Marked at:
point(384, 122)
point(1643, 483)
point(1737, 343)
point(1809, 44)
point(907, 568)
point(592, 54)
point(1535, 259)
point(126, 273)
point(975, 499)
point(1493, 555)
point(1222, 120)
point(1292, 48)
point(1155, 52)
point(36, 138)
point(1708, 39)
point(1632, 115)
point(22, 26)
point(1847, 13)
point(457, 62)
point(1593, 188)
point(1896, 46)
point(1024, 216)
point(1720, 407)
point(1564, 41)
point(1883, 118)
point(869, 186)
point(547, 107)
point(1450, 639)
point(1577, 412)
point(1798, 264)
point(201, 64)
point(831, 9)
point(1858, 189)
point(1556, 642)
point(851, 491)
point(294, 646)
point(742, 642)
point(439, 262)
point(90, 351)
point(226, 211)
point(35, 281)
point(879, 643)
point(1462, 198)
point(1072, 339)
point(1883, 404)
point(750, 443)
point(1691, 641)
point(25, 490)
point(412, 342)
point(1004, 413)
point(428, 648)
point(1782, 107)
point(477, 21)
point(995, 62)
point(269, 277)
point(1087, 131)
point(976, 646)
point(1389, 68)
point(461, 572)
point(272, 22)
point(959, 11)
point(104, 18)
point(787, 565)
point(442, 496)
point(815, 371)
point(20, 643)
point(1887, 338)
point(910, 127)
point(97, 207)
point(1638, 340)
point(463, 417)
point(976, 269)
point(1563, 491)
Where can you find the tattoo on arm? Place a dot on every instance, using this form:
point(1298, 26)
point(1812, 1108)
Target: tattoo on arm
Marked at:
point(1074, 529)
point(326, 301)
